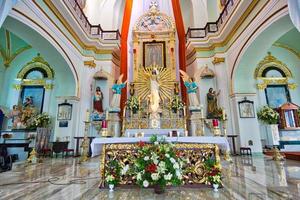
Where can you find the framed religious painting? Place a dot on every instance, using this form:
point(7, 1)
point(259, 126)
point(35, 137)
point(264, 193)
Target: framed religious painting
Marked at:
point(64, 111)
point(33, 96)
point(246, 109)
point(277, 95)
point(154, 53)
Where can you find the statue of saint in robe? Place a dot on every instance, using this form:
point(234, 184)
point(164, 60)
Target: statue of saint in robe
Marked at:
point(98, 97)
point(212, 104)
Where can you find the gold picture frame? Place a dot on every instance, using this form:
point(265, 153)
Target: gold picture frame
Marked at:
point(154, 53)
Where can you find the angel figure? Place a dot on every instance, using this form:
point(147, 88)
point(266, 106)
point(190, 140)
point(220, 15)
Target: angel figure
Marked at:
point(190, 84)
point(117, 88)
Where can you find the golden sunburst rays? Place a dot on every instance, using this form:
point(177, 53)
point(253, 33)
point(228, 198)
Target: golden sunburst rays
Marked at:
point(166, 83)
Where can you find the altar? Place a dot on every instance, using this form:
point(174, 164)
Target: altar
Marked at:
point(98, 143)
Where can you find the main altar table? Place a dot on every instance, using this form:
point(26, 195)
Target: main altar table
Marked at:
point(96, 145)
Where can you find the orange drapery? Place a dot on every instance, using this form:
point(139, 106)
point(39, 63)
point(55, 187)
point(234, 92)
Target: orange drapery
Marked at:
point(181, 38)
point(124, 51)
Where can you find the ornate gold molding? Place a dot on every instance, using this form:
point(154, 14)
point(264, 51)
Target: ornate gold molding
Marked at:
point(292, 86)
point(37, 62)
point(271, 61)
point(218, 60)
point(90, 63)
point(48, 86)
point(17, 86)
point(275, 81)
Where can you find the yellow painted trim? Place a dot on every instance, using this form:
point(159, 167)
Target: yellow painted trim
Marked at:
point(284, 46)
point(90, 63)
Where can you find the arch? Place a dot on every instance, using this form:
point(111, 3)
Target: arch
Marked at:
point(37, 62)
point(261, 38)
point(33, 33)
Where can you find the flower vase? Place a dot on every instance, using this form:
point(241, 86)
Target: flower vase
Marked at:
point(111, 187)
point(159, 189)
point(216, 186)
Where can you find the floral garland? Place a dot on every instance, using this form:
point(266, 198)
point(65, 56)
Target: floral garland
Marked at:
point(268, 115)
point(158, 164)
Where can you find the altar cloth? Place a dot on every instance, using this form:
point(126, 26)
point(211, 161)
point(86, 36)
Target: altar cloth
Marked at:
point(96, 145)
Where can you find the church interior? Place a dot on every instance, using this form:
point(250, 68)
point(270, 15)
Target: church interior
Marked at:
point(150, 99)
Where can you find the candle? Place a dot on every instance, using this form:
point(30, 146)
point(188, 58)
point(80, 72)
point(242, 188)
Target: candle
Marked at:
point(170, 133)
point(223, 114)
point(178, 133)
point(104, 124)
point(186, 133)
point(87, 115)
point(215, 123)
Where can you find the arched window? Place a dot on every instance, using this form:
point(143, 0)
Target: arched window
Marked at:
point(275, 78)
point(36, 76)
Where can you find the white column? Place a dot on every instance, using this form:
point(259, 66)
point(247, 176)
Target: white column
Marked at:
point(47, 95)
point(294, 11)
point(222, 83)
point(5, 8)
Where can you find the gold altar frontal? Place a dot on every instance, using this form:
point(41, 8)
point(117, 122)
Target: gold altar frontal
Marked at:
point(194, 170)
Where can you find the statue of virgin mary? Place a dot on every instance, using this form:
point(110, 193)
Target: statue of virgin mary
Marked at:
point(154, 92)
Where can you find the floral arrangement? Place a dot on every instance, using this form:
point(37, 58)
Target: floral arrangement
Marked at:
point(214, 174)
point(113, 173)
point(40, 120)
point(133, 103)
point(176, 103)
point(268, 115)
point(158, 164)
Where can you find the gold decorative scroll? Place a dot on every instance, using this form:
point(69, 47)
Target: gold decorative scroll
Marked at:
point(194, 171)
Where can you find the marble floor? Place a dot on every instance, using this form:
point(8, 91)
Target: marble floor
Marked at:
point(62, 179)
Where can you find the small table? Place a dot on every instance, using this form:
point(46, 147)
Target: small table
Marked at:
point(233, 143)
point(77, 145)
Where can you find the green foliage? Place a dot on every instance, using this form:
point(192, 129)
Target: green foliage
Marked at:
point(158, 163)
point(214, 174)
point(176, 103)
point(133, 103)
point(41, 120)
point(113, 172)
point(268, 115)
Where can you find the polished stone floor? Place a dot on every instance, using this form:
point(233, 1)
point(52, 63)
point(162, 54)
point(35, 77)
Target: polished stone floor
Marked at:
point(62, 179)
